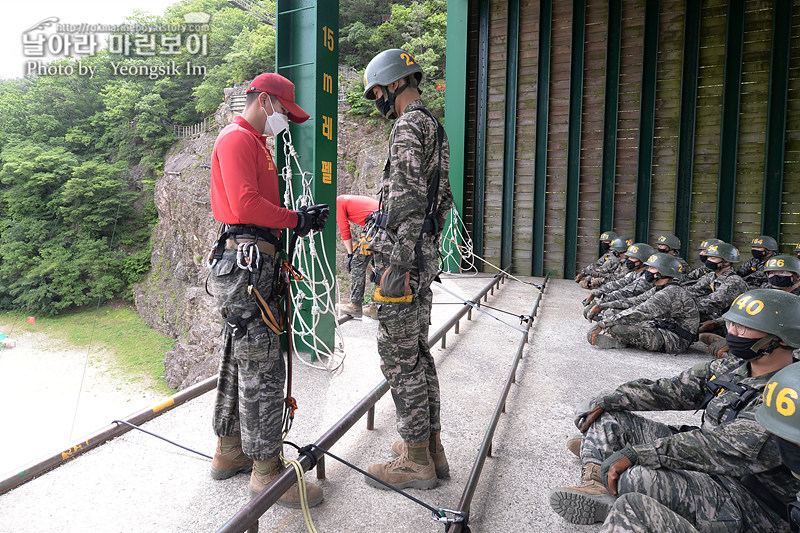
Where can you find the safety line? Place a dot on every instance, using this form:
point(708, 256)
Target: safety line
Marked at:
point(132, 426)
point(477, 308)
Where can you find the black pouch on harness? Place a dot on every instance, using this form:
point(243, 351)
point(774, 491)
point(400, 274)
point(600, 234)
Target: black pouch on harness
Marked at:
point(238, 325)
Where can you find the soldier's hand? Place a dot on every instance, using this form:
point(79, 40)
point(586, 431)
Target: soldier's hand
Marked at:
point(349, 262)
point(578, 278)
point(718, 348)
point(311, 218)
point(586, 414)
point(593, 312)
point(708, 325)
point(613, 467)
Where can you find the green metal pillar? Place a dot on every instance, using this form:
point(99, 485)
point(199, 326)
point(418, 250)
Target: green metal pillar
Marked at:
point(308, 54)
point(729, 127)
point(776, 118)
point(686, 127)
point(481, 105)
point(510, 136)
point(610, 116)
point(540, 144)
point(647, 115)
point(455, 107)
point(574, 136)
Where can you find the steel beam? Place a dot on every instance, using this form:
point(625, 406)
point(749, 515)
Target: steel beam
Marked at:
point(574, 136)
point(481, 105)
point(510, 135)
point(610, 117)
point(540, 143)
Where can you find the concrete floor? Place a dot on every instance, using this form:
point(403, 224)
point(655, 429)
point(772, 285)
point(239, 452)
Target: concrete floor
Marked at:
point(137, 483)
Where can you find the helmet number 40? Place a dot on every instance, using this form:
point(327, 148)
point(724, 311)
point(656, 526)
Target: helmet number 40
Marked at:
point(784, 401)
point(752, 307)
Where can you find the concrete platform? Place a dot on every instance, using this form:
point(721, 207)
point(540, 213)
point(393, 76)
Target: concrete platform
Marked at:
point(137, 483)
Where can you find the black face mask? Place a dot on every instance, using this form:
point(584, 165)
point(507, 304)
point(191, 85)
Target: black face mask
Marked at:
point(758, 254)
point(631, 264)
point(385, 108)
point(664, 250)
point(741, 347)
point(790, 454)
point(604, 246)
point(781, 281)
point(702, 258)
point(711, 265)
point(649, 277)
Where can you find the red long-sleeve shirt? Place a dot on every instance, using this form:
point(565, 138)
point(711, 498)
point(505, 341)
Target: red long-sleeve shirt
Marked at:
point(355, 209)
point(244, 180)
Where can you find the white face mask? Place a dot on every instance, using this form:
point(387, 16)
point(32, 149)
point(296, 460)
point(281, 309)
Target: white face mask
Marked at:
point(276, 122)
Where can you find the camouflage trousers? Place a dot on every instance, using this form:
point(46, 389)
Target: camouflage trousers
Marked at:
point(251, 370)
point(358, 276)
point(408, 365)
point(637, 513)
point(709, 503)
point(649, 338)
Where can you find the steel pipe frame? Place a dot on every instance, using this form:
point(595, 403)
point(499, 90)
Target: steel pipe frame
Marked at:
point(247, 517)
point(540, 143)
point(486, 448)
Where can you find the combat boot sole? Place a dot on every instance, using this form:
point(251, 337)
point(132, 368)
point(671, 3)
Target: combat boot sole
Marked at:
point(577, 507)
point(440, 463)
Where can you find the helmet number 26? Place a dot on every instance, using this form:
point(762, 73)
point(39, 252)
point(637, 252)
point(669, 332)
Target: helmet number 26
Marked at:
point(784, 401)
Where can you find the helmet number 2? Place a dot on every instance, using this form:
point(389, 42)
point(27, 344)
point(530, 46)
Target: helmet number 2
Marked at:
point(409, 60)
point(752, 307)
point(784, 401)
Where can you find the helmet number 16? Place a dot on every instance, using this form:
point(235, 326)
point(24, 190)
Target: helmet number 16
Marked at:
point(784, 401)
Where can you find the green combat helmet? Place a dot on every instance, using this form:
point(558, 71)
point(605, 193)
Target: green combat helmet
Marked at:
point(727, 252)
point(669, 240)
point(388, 66)
point(708, 242)
point(797, 250)
point(774, 312)
point(783, 263)
point(608, 236)
point(667, 265)
point(619, 245)
point(766, 242)
point(780, 412)
point(640, 250)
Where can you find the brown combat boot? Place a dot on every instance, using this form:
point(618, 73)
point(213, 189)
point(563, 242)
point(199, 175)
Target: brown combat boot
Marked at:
point(263, 474)
point(437, 454)
point(354, 310)
point(574, 445)
point(587, 503)
point(412, 469)
point(371, 310)
point(229, 459)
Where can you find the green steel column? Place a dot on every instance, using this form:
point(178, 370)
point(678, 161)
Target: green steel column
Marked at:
point(729, 127)
point(647, 115)
point(308, 54)
point(510, 135)
point(776, 118)
point(455, 109)
point(540, 148)
point(686, 128)
point(574, 136)
point(610, 116)
point(481, 103)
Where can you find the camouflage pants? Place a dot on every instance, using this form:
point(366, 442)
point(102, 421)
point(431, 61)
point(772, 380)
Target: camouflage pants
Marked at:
point(648, 337)
point(704, 501)
point(637, 513)
point(251, 370)
point(358, 276)
point(408, 365)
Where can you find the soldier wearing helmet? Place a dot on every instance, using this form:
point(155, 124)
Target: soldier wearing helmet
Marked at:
point(797, 250)
point(692, 277)
point(783, 272)
point(606, 239)
point(613, 267)
point(705, 475)
point(716, 290)
point(634, 282)
point(763, 247)
point(415, 197)
point(665, 320)
point(667, 243)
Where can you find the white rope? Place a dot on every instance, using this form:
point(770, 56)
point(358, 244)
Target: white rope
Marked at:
point(456, 238)
point(317, 288)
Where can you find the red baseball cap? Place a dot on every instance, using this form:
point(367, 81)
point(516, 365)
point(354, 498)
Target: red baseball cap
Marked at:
point(283, 90)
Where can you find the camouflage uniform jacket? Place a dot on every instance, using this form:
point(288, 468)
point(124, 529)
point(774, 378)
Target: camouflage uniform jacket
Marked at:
point(691, 277)
point(619, 272)
point(627, 303)
point(753, 272)
point(409, 171)
point(637, 286)
point(768, 285)
point(610, 265)
point(726, 449)
point(668, 303)
point(715, 294)
point(592, 268)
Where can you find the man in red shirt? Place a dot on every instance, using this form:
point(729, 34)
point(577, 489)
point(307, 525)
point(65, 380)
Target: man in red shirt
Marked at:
point(355, 209)
point(245, 199)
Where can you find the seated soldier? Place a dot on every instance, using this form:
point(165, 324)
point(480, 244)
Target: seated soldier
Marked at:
point(700, 473)
point(763, 247)
point(716, 290)
point(778, 414)
point(667, 243)
point(665, 322)
point(633, 282)
point(613, 268)
point(797, 251)
point(692, 277)
point(591, 269)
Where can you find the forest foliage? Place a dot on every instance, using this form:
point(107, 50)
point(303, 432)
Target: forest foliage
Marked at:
point(80, 155)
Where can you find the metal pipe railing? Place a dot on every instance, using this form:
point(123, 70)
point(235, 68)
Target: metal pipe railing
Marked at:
point(247, 517)
point(486, 448)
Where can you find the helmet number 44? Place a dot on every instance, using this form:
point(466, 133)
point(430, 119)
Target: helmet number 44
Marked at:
point(784, 401)
point(752, 307)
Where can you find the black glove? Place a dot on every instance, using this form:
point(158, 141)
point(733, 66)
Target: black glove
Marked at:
point(311, 218)
point(349, 262)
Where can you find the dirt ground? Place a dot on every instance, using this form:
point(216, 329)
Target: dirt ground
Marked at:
point(41, 409)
